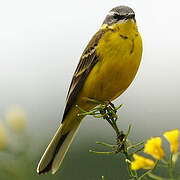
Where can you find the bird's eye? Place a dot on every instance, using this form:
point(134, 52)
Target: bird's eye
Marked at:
point(117, 16)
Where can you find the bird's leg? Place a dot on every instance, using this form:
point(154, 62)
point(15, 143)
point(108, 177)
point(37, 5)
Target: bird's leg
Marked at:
point(111, 105)
point(103, 112)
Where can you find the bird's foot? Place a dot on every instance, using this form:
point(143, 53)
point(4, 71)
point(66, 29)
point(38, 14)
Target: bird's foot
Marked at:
point(111, 105)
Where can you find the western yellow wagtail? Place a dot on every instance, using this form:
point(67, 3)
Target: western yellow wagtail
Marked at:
point(106, 68)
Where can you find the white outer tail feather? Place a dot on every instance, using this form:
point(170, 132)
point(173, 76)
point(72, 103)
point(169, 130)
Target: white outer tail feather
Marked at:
point(63, 149)
point(49, 153)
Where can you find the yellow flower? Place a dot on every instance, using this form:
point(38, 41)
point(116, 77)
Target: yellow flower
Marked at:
point(172, 136)
point(153, 147)
point(16, 119)
point(2, 137)
point(141, 162)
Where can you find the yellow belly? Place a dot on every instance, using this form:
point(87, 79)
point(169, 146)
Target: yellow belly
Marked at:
point(119, 59)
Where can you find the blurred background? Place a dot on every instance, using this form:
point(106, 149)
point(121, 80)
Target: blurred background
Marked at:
point(41, 42)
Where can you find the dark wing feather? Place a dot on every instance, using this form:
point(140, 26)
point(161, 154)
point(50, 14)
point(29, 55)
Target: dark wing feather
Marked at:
point(87, 61)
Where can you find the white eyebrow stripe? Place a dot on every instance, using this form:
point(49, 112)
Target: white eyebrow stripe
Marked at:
point(131, 14)
point(112, 13)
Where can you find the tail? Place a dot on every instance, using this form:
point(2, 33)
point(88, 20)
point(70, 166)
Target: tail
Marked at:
point(55, 152)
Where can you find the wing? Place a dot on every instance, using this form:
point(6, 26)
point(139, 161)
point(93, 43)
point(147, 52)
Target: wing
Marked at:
point(87, 61)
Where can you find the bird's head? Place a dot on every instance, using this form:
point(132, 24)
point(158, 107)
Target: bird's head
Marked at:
point(120, 16)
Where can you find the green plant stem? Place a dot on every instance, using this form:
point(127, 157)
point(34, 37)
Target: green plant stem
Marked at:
point(150, 171)
point(131, 172)
point(108, 112)
point(153, 176)
point(162, 165)
point(138, 150)
point(171, 167)
point(108, 145)
point(104, 153)
point(164, 161)
point(135, 145)
point(118, 107)
point(116, 129)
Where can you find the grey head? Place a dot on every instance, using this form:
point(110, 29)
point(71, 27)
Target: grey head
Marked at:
point(119, 13)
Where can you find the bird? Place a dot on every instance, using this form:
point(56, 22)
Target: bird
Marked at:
point(105, 70)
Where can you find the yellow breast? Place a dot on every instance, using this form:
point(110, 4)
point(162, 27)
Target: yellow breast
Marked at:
point(119, 54)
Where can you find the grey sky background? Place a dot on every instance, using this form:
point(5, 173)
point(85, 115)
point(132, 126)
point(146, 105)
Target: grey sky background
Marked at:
point(40, 45)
